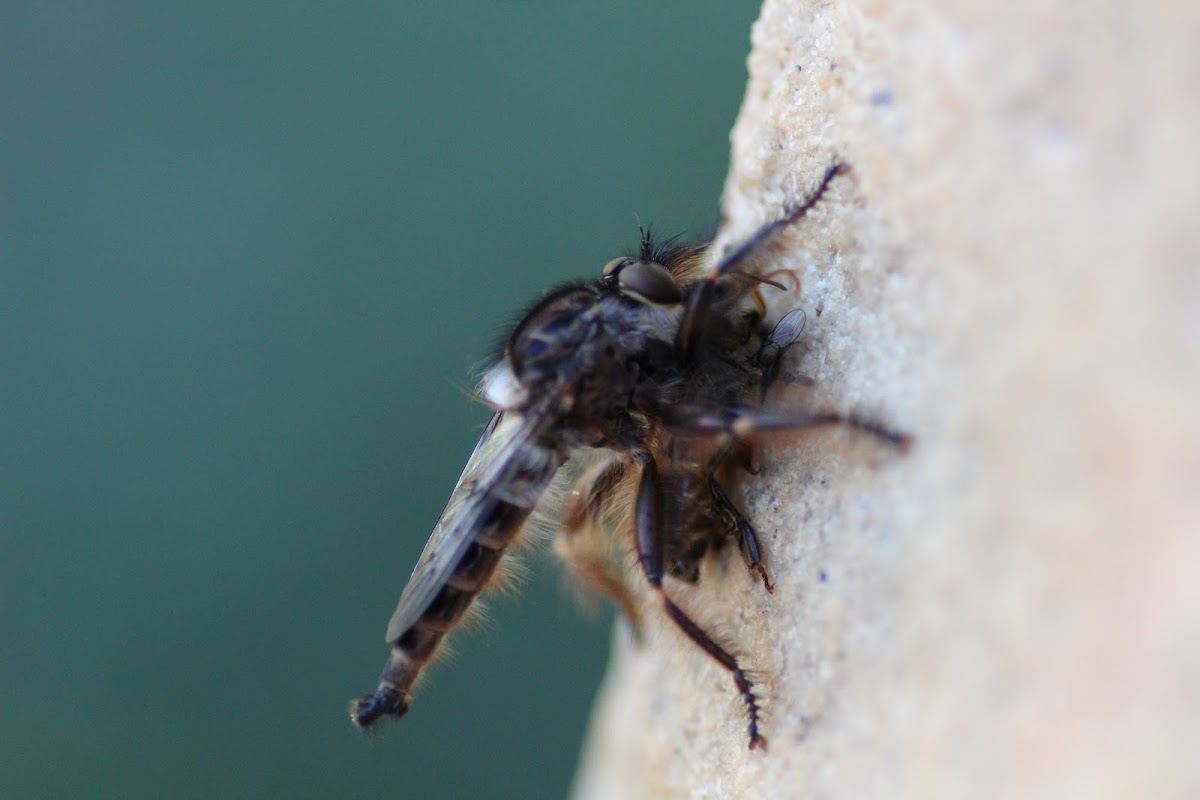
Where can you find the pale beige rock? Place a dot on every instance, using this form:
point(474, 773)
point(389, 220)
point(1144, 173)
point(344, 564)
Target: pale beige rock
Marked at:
point(1012, 274)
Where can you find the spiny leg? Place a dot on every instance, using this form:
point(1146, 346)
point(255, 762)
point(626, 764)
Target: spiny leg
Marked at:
point(692, 325)
point(783, 335)
point(747, 537)
point(648, 533)
point(578, 543)
point(744, 423)
point(741, 424)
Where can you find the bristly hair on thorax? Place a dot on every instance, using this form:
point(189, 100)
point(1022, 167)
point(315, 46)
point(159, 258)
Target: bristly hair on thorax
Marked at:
point(672, 252)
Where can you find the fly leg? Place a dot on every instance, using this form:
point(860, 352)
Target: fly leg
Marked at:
point(747, 537)
point(744, 423)
point(584, 543)
point(741, 424)
point(648, 535)
point(702, 298)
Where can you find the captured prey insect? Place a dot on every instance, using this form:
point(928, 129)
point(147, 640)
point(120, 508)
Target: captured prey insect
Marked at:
point(664, 367)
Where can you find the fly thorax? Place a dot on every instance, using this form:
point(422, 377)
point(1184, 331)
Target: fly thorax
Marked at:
point(548, 345)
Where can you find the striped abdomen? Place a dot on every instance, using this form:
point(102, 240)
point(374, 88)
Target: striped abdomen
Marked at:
point(500, 486)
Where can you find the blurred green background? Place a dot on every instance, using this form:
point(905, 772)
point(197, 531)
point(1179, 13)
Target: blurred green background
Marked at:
point(248, 256)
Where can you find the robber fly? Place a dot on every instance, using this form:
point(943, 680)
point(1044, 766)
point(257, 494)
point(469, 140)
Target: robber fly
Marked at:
point(660, 366)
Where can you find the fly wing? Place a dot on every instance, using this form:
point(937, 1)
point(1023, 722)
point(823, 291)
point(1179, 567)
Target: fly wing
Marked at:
point(786, 332)
point(504, 444)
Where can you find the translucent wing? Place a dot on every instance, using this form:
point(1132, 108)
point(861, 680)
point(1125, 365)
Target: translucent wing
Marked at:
point(507, 464)
point(787, 331)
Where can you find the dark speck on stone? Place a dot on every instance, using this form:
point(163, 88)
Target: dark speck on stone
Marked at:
point(883, 97)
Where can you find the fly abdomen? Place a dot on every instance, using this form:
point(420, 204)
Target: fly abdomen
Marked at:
point(416, 646)
point(475, 567)
point(485, 514)
point(409, 654)
point(443, 613)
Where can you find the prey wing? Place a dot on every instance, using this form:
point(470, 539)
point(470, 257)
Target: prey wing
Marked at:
point(464, 515)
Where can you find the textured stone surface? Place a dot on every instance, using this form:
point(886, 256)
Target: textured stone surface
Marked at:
point(1012, 274)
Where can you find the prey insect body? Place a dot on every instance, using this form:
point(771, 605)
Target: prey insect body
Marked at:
point(662, 367)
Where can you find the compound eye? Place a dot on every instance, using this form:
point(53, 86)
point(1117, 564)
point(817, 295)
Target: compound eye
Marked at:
point(615, 266)
point(649, 282)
